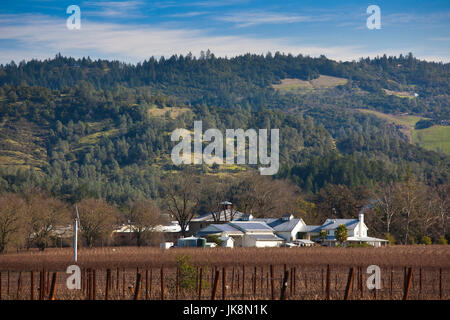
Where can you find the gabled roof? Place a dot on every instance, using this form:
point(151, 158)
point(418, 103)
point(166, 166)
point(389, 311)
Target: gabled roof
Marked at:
point(251, 226)
point(220, 228)
point(280, 225)
point(266, 237)
point(224, 215)
point(331, 224)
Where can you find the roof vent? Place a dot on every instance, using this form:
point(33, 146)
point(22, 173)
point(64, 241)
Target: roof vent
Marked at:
point(287, 217)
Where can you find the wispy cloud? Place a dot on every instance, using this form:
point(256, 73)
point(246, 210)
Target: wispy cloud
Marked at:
point(42, 37)
point(247, 19)
point(188, 14)
point(113, 8)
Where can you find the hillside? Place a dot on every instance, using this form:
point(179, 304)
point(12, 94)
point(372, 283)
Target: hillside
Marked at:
point(102, 128)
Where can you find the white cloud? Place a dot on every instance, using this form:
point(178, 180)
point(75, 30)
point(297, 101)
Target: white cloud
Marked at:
point(247, 19)
point(42, 37)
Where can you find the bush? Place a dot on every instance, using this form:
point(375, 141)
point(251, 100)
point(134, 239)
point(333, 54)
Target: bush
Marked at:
point(442, 240)
point(214, 238)
point(187, 272)
point(426, 240)
point(389, 237)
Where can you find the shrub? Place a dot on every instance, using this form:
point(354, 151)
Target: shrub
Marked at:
point(426, 240)
point(187, 272)
point(389, 237)
point(442, 240)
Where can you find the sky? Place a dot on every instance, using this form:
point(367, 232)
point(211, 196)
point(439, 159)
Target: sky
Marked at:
point(132, 31)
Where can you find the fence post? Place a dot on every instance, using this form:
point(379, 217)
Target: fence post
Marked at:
point(420, 283)
point(407, 284)
point(32, 286)
point(0, 285)
point(216, 284)
point(94, 284)
point(349, 283)
point(284, 285)
point(200, 284)
point(146, 284)
point(123, 283)
point(243, 282)
point(162, 282)
point(328, 283)
point(137, 287)
point(53, 287)
point(108, 283)
point(224, 284)
point(440, 283)
point(232, 281)
point(19, 285)
point(272, 283)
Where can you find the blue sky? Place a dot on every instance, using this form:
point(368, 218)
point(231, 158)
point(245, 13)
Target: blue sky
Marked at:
point(134, 30)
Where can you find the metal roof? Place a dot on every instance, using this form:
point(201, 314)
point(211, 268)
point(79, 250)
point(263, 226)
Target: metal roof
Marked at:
point(251, 226)
point(266, 237)
point(331, 224)
point(224, 215)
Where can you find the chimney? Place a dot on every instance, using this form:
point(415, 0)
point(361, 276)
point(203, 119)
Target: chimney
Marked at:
point(361, 222)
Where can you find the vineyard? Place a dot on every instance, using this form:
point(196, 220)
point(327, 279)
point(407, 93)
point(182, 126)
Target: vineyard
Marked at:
point(126, 273)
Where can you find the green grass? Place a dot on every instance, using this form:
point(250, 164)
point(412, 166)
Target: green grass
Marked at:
point(436, 138)
point(404, 120)
point(322, 82)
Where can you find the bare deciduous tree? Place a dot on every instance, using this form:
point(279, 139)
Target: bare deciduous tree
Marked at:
point(97, 219)
point(143, 216)
point(12, 209)
point(182, 197)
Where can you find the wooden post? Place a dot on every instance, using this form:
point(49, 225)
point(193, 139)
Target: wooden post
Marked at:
point(31, 288)
point(407, 284)
point(123, 282)
point(146, 284)
point(47, 286)
point(177, 278)
point(295, 276)
point(117, 280)
point(19, 285)
point(349, 283)
point(94, 284)
point(137, 287)
point(254, 284)
point(108, 283)
point(328, 283)
point(42, 284)
point(7, 287)
point(53, 287)
point(262, 281)
point(200, 284)
point(224, 284)
point(216, 284)
point(243, 282)
point(232, 281)
point(0, 285)
point(420, 283)
point(272, 283)
point(284, 285)
point(440, 283)
point(162, 282)
point(322, 282)
point(392, 282)
point(361, 286)
point(151, 281)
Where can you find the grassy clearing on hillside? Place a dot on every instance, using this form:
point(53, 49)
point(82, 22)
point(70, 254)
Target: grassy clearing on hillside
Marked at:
point(322, 82)
point(435, 138)
point(160, 112)
point(404, 120)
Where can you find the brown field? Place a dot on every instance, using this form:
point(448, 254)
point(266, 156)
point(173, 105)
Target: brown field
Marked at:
point(306, 266)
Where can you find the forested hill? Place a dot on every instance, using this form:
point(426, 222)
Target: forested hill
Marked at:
point(83, 128)
point(248, 81)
